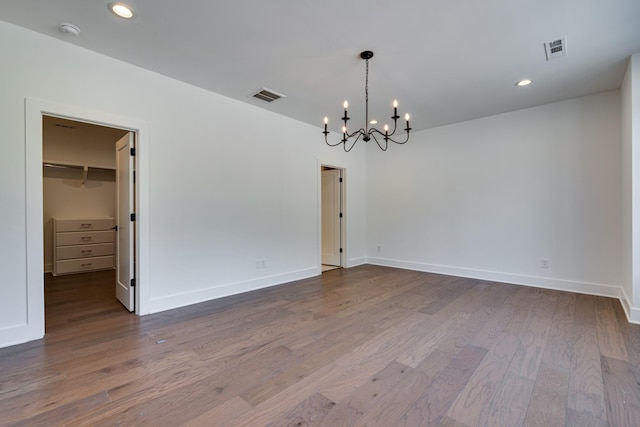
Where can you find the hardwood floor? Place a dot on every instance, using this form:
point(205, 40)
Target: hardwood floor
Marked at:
point(367, 346)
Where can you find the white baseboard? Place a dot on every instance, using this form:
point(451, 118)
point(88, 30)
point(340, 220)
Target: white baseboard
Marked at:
point(633, 314)
point(599, 289)
point(354, 262)
point(496, 276)
point(193, 297)
point(19, 334)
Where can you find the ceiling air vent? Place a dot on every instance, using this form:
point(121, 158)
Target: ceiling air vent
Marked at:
point(556, 48)
point(267, 95)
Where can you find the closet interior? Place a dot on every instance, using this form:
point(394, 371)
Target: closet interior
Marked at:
point(79, 195)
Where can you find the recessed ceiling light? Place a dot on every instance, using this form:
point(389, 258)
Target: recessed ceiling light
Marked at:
point(524, 82)
point(373, 122)
point(121, 10)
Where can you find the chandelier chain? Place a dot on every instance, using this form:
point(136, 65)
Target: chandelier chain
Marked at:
point(366, 97)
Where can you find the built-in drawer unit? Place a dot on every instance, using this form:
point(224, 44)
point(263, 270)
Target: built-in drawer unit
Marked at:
point(82, 245)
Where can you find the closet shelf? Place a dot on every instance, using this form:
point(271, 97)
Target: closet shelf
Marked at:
point(61, 166)
point(88, 172)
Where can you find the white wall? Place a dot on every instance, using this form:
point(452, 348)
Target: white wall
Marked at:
point(630, 120)
point(228, 183)
point(490, 198)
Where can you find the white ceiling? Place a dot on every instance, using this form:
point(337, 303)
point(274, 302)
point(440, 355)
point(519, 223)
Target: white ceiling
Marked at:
point(445, 61)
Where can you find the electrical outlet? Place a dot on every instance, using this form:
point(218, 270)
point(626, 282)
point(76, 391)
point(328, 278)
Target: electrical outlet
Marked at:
point(544, 263)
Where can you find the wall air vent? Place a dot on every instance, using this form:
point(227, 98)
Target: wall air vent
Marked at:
point(267, 95)
point(556, 48)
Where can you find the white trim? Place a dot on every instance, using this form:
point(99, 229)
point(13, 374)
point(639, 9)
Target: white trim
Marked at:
point(633, 314)
point(34, 110)
point(496, 276)
point(178, 300)
point(354, 262)
point(21, 333)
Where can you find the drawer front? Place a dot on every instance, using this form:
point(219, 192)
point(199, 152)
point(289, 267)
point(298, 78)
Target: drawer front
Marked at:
point(83, 238)
point(84, 251)
point(88, 264)
point(63, 225)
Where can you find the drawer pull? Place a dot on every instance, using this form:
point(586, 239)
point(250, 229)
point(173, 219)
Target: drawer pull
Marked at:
point(87, 251)
point(86, 264)
point(85, 238)
point(85, 225)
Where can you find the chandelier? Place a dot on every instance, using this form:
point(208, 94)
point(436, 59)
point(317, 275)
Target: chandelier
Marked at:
point(349, 139)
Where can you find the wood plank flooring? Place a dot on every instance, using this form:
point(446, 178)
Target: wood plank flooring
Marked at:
point(365, 346)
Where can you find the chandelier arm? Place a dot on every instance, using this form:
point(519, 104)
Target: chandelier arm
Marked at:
point(330, 144)
point(360, 132)
point(395, 126)
point(387, 136)
point(346, 150)
point(373, 131)
point(399, 142)
point(386, 140)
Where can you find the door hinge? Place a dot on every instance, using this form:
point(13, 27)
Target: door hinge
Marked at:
point(340, 179)
point(114, 228)
point(133, 283)
point(133, 151)
point(340, 214)
point(133, 217)
point(340, 250)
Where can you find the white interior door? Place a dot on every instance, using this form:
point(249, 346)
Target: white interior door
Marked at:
point(125, 277)
point(331, 217)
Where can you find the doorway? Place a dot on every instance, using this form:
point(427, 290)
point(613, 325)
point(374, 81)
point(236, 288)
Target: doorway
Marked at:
point(82, 175)
point(34, 326)
point(332, 217)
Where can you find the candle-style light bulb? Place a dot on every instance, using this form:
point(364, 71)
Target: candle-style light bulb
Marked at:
point(395, 103)
point(326, 120)
point(344, 129)
point(346, 105)
point(386, 128)
point(406, 117)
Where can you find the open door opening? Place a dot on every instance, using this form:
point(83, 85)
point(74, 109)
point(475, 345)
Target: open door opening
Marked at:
point(331, 217)
point(87, 184)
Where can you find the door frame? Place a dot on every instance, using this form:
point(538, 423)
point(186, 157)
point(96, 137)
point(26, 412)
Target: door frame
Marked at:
point(343, 205)
point(35, 109)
